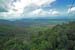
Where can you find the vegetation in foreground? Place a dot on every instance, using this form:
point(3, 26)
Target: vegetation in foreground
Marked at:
point(60, 37)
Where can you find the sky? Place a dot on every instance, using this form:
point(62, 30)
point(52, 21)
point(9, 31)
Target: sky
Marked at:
point(17, 9)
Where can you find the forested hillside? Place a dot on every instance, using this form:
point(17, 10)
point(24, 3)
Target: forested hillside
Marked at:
point(59, 37)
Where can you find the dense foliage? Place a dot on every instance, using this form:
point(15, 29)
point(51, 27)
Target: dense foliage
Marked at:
point(60, 37)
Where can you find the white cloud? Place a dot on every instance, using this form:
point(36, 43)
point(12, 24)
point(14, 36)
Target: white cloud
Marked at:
point(22, 4)
point(42, 2)
point(10, 15)
point(55, 13)
point(41, 12)
point(38, 12)
point(17, 8)
point(72, 10)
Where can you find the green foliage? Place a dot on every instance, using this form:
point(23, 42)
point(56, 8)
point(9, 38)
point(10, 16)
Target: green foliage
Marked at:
point(60, 37)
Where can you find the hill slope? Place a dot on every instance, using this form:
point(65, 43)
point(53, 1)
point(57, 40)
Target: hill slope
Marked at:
point(59, 37)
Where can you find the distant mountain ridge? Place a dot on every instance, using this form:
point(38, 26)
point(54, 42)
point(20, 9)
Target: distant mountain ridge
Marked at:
point(38, 21)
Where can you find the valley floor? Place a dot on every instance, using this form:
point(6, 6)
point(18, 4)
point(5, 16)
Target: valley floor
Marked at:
point(49, 37)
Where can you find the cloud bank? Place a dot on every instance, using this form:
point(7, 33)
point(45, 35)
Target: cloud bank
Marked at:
point(14, 9)
point(17, 8)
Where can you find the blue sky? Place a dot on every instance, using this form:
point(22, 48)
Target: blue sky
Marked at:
point(16, 9)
